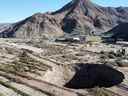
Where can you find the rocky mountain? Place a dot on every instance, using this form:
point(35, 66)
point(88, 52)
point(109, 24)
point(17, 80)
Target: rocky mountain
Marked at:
point(77, 17)
point(4, 26)
point(119, 32)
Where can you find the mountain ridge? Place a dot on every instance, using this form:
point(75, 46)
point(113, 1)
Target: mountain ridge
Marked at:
point(78, 16)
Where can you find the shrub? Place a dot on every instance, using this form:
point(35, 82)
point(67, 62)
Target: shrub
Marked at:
point(112, 54)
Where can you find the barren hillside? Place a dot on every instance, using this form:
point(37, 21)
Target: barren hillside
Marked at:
point(77, 17)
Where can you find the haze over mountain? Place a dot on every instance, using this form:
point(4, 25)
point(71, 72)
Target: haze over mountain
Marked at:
point(79, 17)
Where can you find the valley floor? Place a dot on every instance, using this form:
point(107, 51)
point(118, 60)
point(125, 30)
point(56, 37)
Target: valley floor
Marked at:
point(38, 68)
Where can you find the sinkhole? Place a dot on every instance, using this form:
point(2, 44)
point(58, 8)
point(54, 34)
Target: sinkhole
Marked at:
point(94, 75)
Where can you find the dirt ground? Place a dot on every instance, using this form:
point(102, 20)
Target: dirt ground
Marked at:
point(33, 68)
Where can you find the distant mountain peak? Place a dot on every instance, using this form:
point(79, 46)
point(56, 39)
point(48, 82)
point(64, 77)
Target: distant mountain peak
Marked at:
point(76, 17)
point(80, 1)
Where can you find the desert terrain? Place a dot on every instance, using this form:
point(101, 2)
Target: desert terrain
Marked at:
point(41, 68)
point(40, 54)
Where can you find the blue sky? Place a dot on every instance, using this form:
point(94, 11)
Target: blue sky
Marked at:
point(15, 10)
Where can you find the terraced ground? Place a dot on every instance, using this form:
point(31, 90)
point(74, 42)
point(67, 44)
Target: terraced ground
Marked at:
point(42, 68)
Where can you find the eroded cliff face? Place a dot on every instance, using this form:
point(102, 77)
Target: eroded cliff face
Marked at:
point(36, 26)
point(78, 16)
point(93, 18)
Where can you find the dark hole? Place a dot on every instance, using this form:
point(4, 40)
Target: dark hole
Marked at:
point(93, 75)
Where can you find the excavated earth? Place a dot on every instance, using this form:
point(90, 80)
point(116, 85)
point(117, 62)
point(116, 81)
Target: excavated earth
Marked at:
point(38, 68)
